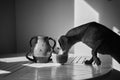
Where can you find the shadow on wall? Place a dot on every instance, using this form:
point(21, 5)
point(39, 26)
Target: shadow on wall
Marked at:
point(108, 11)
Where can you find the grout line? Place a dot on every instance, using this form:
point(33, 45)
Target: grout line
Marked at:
point(79, 59)
point(83, 60)
point(15, 71)
point(73, 60)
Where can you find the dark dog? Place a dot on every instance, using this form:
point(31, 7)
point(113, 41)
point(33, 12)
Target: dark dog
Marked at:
point(98, 37)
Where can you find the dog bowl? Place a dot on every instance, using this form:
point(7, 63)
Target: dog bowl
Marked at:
point(59, 57)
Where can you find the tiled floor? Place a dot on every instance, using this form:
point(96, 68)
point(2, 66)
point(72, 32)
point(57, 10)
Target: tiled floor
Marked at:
point(19, 68)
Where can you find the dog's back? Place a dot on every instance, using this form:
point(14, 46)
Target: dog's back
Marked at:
point(110, 40)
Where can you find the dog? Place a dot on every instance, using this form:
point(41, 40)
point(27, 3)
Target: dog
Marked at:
point(96, 36)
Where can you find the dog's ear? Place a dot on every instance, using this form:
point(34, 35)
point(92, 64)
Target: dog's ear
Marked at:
point(63, 42)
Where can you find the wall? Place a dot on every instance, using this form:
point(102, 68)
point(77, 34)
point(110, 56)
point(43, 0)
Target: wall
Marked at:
point(42, 17)
point(45, 17)
point(7, 26)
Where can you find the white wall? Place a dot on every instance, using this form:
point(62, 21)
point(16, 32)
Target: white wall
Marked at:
point(42, 17)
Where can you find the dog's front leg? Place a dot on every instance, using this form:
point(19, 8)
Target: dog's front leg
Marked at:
point(94, 54)
point(89, 62)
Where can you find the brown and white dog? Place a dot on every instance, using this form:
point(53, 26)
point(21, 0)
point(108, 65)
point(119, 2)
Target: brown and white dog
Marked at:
point(97, 36)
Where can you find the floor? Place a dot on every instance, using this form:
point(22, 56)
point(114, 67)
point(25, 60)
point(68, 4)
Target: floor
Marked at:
point(17, 67)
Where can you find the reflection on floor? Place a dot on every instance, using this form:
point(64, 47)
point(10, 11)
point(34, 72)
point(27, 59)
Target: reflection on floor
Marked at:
point(4, 72)
point(19, 68)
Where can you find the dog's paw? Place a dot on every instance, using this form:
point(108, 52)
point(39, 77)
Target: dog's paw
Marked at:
point(97, 61)
point(88, 62)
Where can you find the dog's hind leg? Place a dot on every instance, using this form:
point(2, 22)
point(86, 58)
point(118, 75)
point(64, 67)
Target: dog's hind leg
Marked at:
point(94, 54)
